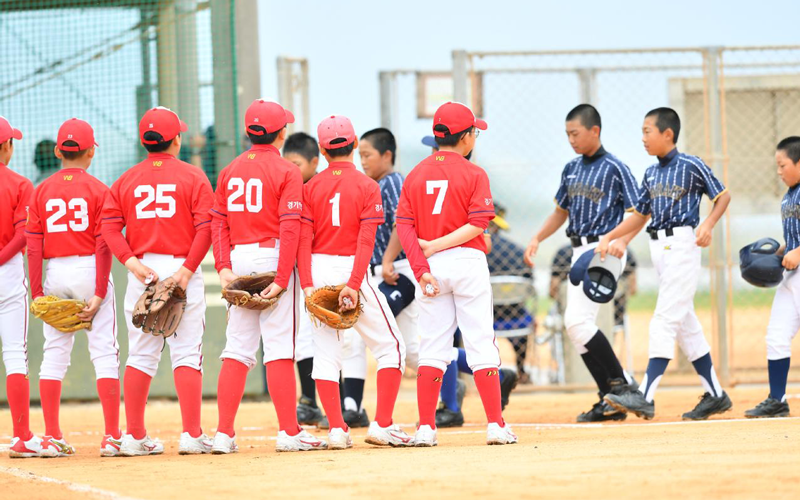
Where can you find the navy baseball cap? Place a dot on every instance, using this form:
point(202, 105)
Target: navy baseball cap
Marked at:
point(400, 295)
point(430, 141)
point(599, 277)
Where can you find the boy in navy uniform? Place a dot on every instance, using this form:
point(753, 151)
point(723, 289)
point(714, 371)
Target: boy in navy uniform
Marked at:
point(670, 196)
point(596, 189)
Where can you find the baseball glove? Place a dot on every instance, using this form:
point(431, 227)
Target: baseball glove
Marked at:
point(160, 308)
point(323, 305)
point(61, 314)
point(244, 292)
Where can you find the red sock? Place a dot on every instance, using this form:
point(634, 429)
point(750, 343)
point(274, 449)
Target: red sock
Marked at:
point(189, 386)
point(137, 387)
point(429, 382)
point(488, 383)
point(329, 397)
point(230, 389)
point(283, 391)
point(108, 392)
point(50, 394)
point(388, 387)
point(18, 392)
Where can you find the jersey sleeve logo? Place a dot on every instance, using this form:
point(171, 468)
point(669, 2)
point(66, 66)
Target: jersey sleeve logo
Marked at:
point(488, 201)
point(379, 208)
point(294, 205)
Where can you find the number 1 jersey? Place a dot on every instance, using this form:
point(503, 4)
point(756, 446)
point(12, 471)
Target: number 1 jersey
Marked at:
point(162, 201)
point(66, 212)
point(444, 192)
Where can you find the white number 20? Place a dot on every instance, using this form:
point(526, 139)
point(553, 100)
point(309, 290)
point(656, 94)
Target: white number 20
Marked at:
point(442, 187)
point(157, 194)
point(80, 220)
point(252, 192)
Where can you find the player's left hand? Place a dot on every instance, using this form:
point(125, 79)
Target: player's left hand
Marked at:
point(351, 295)
point(429, 285)
point(91, 309)
point(703, 234)
point(271, 291)
point(182, 276)
point(617, 248)
point(389, 276)
point(792, 259)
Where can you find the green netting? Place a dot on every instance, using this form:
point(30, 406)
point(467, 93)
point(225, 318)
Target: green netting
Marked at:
point(107, 62)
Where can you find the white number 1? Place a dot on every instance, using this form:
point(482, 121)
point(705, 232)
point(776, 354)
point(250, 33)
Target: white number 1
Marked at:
point(335, 210)
point(442, 187)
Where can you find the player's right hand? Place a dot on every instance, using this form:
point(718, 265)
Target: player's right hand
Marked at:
point(91, 309)
point(530, 252)
point(348, 298)
point(143, 273)
point(226, 276)
point(792, 259)
point(389, 276)
point(429, 285)
point(309, 291)
point(605, 247)
point(427, 247)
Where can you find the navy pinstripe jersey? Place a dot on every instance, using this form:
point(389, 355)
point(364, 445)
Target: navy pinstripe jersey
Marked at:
point(391, 185)
point(790, 213)
point(596, 192)
point(672, 189)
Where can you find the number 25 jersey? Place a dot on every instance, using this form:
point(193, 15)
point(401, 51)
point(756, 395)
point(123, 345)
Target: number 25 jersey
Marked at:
point(444, 192)
point(162, 201)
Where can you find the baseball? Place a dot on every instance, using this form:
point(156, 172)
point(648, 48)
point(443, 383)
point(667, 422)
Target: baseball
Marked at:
point(347, 302)
point(429, 289)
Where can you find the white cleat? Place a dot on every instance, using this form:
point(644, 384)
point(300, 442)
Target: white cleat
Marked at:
point(500, 435)
point(194, 446)
point(132, 447)
point(31, 448)
point(224, 444)
point(425, 436)
point(54, 448)
point(109, 447)
point(303, 441)
point(388, 436)
point(338, 439)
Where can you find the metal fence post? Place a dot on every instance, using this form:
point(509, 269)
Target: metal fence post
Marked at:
point(285, 93)
point(588, 85)
point(385, 81)
point(719, 276)
point(460, 77)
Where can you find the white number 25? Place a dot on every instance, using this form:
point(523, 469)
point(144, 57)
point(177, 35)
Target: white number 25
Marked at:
point(155, 194)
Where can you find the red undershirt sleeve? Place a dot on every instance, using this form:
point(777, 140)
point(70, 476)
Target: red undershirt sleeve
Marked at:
point(408, 238)
point(287, 256)
point(221, 240)
point(102, 257)
point(35, 257)
point(112, 234)
point(304, 255)
point(366, 243)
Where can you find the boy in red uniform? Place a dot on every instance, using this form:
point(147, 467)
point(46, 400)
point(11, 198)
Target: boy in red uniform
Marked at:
point(64, 228)
point(15, 195)
point(163, 202)
point(445, 206)
point(342, 209)
point(256, 229)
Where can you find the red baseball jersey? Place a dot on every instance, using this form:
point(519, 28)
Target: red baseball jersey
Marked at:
point(335, 202)
point(162, 201)
point(66, 211)
point(257, 191)
point(16, 193)
point(444, 192)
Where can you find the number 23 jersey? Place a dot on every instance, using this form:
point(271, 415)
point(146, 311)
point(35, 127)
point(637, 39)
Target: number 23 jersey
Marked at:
point(66, 212)
point(444, 192)
point(162, 201)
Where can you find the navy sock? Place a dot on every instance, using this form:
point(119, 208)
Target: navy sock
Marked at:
point(463, 367)
point(307, 385)
point(655, 370)
point(354, 388)
point(599, 374)
point(778, 374)
point(601, 350)
point(449, 390)
point(705, 368)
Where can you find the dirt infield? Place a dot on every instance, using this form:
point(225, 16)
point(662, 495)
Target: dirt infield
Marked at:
point(726, 457)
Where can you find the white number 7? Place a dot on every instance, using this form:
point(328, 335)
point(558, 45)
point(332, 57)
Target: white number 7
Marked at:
point(442, 186)
point(335, 209)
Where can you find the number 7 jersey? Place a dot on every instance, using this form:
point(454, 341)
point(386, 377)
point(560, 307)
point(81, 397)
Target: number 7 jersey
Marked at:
point(162, 201)
point(66, 211)
point(444, 192)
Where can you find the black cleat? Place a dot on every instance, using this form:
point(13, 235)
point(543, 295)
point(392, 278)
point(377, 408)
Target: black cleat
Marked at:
point(709, 405)
point(307, 412)
point(601, 412)
point(507, 385)
point(356, 419)
point(769, 408)
point(445, 417)
point(631, 401)
point(323, 424)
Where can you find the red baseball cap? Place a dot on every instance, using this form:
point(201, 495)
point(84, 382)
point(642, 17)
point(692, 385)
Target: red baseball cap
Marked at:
point(8, 132)
point(456, 117)
point(162, 120)
point(270, 115)
point(335, 127)
point(78, 131)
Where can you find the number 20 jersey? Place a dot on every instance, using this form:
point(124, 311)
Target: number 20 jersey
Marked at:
point(162, 201)
point(257, 191)
point(66, 212)
point(444, 192)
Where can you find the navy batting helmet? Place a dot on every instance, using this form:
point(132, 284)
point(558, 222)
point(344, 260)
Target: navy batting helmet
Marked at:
point(760, 265)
